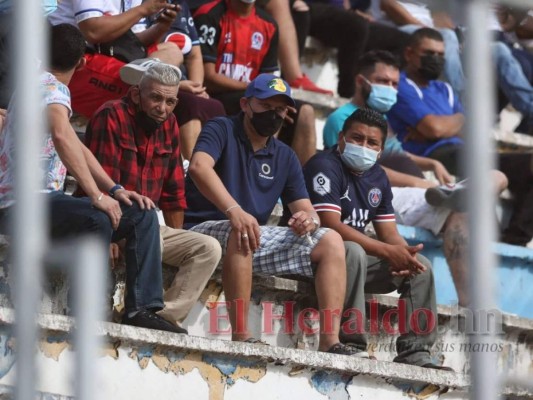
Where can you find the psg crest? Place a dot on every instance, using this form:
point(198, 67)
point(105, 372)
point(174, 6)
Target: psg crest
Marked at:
point(374, 197)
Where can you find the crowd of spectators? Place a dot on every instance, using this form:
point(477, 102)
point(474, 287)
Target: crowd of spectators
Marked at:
point(164, 83)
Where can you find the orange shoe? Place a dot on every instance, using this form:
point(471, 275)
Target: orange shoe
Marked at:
point(305, 83)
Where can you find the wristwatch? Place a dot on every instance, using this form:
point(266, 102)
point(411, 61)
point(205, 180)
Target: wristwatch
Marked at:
point(114, 189)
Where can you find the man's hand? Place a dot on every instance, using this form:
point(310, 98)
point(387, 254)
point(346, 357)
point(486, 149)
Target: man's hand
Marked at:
point(194, 88)
point(414, 135)
point(127, 197)
point(111, 207)
point(290, 110)
point(153, 6)
point(403, 261)
point(168, 16)
point(441, 173)
point(246, 229)
point(302, 223)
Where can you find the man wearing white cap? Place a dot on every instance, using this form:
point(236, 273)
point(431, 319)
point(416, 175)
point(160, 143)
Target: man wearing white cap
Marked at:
point(136, 140)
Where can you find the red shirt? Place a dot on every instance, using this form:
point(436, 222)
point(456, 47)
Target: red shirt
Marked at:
point(240, 47)
point(150, 164)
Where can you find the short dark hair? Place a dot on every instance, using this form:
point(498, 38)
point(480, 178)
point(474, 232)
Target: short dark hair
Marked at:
point(367, 63)
point(367, 116)
point(424, 33)
point(66, 47)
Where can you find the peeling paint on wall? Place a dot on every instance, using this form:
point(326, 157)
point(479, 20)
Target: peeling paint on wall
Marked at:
point(331, 384)
point(7, 350)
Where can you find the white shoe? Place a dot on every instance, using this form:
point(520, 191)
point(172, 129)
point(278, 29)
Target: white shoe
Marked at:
point(132, 72)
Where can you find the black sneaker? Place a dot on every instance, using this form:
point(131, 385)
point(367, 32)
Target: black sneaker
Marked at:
point(451, 197)
point(347, 350)
point(149, 319)
point(435, 366)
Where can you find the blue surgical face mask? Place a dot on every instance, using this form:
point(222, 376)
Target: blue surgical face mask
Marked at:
point(358, 158)
point(49, 6)
point(381, 97)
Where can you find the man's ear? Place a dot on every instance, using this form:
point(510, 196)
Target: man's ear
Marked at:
point(135, 95)
point(81, 64)
point(359, 80)
point(244, 103)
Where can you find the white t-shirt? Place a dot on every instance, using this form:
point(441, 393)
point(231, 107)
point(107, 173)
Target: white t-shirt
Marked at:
point(75, 11)
point(52, 168)
point(417, 9)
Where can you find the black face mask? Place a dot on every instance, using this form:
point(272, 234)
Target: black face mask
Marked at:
point(431, 66)
point(266, 123)
point(147, 123)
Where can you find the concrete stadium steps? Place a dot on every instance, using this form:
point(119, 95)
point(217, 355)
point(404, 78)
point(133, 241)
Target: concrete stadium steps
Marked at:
point(138, 363)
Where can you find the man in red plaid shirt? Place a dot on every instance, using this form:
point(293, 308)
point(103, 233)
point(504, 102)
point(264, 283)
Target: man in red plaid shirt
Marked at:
point(136, 140)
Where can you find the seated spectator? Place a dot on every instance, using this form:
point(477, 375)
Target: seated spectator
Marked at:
point(6, 27)
point(101, 23)
point(196, 107)
point(428, 116)
point(289, 44)
point(410, 16)
point(429, 119)
point(348, 191)
point(376, 85)
point(136, 140)
point(351, 33)
point(237, 149)
point(109, 212)
point(234, 56)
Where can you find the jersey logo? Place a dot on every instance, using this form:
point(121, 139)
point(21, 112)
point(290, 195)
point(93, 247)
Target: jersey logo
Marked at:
point(227, 38)
point(265, 171)
point(374, 197)
point(257, 41)
point(321, 184)
point(346, 194)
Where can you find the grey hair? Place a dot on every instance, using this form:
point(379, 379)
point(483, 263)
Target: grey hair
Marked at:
point(164, 74)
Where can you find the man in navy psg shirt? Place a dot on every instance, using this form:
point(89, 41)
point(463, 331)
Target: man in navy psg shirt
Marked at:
point(348, 190)
point(238, 172)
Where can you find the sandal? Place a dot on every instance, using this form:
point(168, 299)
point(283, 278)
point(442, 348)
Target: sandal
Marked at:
point(347, 350)
point(253, 340)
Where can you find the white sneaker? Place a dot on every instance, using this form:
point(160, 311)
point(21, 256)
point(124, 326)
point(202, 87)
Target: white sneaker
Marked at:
point(132, 72)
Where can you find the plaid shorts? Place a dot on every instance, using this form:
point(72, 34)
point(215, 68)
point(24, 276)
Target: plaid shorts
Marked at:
point(281, 251)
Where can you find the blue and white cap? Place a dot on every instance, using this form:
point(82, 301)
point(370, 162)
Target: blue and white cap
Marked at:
point(265, 86)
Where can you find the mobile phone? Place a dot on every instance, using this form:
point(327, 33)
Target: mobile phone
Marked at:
point(156, 16)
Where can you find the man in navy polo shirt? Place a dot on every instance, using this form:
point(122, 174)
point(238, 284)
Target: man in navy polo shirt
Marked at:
point(348, 190)
point(237, 173)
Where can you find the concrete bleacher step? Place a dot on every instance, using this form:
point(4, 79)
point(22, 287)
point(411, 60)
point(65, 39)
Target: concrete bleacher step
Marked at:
point(172, 359)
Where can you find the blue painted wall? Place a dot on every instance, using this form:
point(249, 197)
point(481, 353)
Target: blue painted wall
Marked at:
point(515, 272)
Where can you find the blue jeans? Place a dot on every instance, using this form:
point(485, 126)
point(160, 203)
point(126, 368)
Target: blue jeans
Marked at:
point(71, 216)
point(453, 68)
point(512, 80)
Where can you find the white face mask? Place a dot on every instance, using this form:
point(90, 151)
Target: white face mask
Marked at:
point(358, 158)
point(248, 1)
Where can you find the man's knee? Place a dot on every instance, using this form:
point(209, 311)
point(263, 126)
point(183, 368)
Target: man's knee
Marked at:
point(212, 247)
point(500, 51)
point(450, 37)
point(169, 53)
point(306, 116)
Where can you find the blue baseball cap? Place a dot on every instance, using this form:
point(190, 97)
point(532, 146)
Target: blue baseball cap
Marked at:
point(265, 86)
